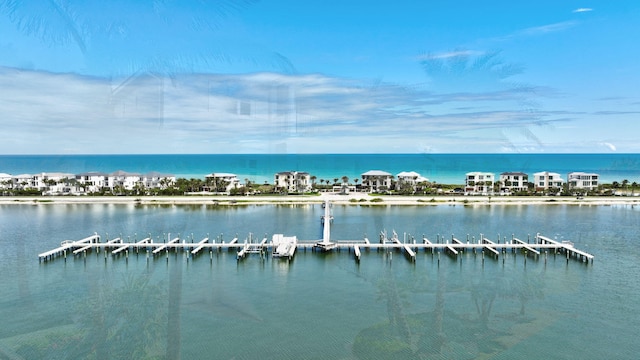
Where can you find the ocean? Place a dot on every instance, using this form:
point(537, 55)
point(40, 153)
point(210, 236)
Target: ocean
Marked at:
point(318, 306)
point(441, 168)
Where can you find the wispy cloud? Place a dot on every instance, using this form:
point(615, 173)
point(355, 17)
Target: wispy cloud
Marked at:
point(549, 28)
point(449, 54)
point(150, 113)
point(580, 10)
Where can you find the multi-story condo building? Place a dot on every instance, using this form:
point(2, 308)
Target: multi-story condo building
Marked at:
point(513, 182)
point(479, 183)
point(124, 179)
point(545, 180)
point(93, 181)
point(376, 180)
point(293, 181)
point(582, 180)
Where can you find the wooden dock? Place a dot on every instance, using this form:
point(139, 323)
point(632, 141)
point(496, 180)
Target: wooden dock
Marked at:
point(285, 246)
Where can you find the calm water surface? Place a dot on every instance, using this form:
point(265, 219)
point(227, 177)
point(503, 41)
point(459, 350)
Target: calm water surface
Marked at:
point(319, 306)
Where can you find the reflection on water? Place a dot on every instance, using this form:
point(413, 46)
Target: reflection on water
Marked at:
point(317, 305)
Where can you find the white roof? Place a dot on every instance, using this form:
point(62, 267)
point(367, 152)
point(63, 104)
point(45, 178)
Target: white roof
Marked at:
point(57, 174)
point(376, 173)
point(408, 174)
point(479, 173)
point(123, 173)
point(5, 176)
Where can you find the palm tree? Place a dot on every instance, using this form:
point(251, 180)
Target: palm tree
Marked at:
point(313, 181)
point(625, 182)
point(345, 179)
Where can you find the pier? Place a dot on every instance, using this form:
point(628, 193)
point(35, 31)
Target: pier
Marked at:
point(284, 247)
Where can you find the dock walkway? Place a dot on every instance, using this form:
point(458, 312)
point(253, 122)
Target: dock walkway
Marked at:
point(285, 246)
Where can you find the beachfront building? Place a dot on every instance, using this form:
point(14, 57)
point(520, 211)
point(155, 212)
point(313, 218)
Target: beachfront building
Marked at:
point(222, 182)
point(409, 179)
point(92, 181)
point(511, 182)
point(293, 181)
point(479, 183)
point(376, 180)
point(583, 180)
point(156, 180)
point(54, 183)
point(6, 181)
point(122, 180)
point(545, 180)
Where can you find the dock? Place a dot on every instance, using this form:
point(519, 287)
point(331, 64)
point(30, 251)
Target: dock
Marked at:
point(526, 246)
point(284, 247)
point(166, 246)
point(566, 247)
point(407, 250)
point(200, 246)
point(68, 245)
point(325, 244)
point(491, 248)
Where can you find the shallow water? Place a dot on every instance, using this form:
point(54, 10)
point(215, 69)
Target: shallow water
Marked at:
point(319, 305)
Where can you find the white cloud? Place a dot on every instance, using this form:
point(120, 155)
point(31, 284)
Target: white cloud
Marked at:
point(609, 145)
point(549, 28)
point(253, 113)
point(580, 10)
point(449, 54)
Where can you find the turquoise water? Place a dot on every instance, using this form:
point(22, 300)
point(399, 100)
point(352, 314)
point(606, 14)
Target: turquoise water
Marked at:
point(442, 168)
point(319, 306)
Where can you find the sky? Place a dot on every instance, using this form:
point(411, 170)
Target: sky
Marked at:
point(244, 76)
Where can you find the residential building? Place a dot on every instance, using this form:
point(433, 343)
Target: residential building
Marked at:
point(410, 178)
point(55, 183)
point(545, 180)
point(126, 180)
point(93, 181)
point(479, 183)
point(6, 181)
point(583, 180)
point(222, 181)
point(293, 181)
point(156, 180)
point(376, 180)
point(511, 182)
point(23, 181)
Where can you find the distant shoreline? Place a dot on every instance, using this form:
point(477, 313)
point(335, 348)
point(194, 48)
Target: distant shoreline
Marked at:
point(356, 199)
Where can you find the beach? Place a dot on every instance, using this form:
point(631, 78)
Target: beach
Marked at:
point(356, 199)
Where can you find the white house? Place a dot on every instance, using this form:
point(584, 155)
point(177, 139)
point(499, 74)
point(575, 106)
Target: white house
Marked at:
point(93, 181)
point(545, 180)
point(411, 178)
point(479, 183)
point(216, 179)
point(55, 183)
point(125, 179)
point(376, 180)
point(293, 181)
point(156, 180)
point(513, 181)
point(6, 181)
point(582, 180)
point(23, 181)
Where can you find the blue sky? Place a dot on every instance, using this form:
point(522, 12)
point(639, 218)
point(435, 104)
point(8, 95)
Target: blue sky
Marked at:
point(227, 76)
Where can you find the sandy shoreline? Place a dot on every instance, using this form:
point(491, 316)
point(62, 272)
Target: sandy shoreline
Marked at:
point(351, 199)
